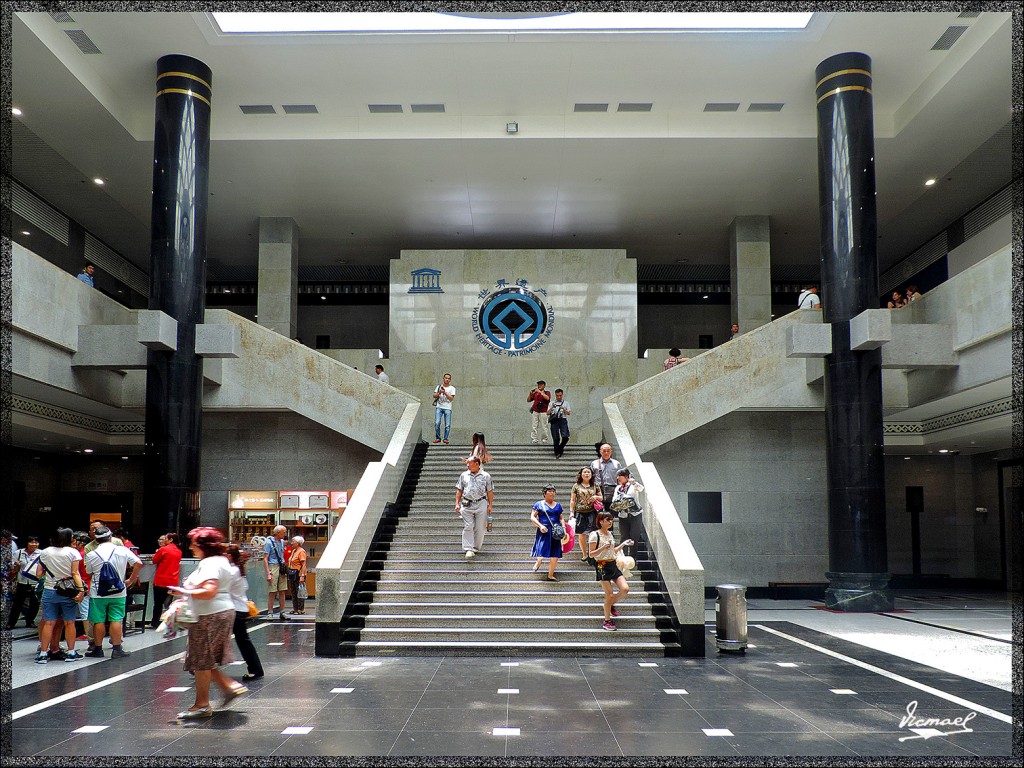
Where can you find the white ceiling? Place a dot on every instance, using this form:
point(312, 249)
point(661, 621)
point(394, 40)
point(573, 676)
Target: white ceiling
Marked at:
point(664, 185)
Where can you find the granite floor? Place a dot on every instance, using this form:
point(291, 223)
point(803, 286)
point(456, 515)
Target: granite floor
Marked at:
point(811, 684)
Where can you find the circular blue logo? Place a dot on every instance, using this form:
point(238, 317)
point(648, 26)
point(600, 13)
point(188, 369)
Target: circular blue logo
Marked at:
point(512, 321)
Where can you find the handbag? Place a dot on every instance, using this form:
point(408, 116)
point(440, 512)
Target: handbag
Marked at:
point(625, 506)
point(253, 610)
point(598, 504)
point(66, 588)
point(557, 530)
point(301, 593)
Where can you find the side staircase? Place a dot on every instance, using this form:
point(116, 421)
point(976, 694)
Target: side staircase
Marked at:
point(418, 595)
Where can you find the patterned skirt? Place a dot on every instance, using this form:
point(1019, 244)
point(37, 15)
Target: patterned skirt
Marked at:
point(209, 642)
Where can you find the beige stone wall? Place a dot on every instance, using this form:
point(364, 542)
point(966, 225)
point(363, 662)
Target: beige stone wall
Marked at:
point(590, 353)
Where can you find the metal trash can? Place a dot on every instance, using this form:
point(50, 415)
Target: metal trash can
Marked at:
point(731, 618)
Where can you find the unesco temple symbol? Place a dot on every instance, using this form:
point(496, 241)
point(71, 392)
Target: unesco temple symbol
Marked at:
point(426, 281)
point(512, 320)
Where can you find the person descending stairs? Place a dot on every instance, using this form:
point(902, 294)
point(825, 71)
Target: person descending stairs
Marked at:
point(429, 599)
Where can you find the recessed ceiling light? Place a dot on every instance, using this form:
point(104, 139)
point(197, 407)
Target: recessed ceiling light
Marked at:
point(705, 295)
point(124, 457)
point(88, 450)
point(906, 458)
point(98, 181)
point(929, 183)
point(16, 112)
point(323, 298)
point(943, 450)
point(25, 232)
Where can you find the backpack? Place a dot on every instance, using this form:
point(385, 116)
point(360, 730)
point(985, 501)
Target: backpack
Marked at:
point(110, 581)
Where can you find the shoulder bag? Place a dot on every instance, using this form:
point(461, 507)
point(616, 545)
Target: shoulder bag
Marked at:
point(557, 530)
point(65, 587)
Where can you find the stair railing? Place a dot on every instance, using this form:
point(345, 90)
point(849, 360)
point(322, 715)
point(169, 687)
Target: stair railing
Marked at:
point(342, 559)
point(680, 567)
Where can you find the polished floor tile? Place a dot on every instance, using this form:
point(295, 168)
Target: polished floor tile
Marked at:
point(444, 706)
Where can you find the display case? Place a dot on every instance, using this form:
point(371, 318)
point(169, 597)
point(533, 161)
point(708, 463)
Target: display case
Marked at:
point(250, 514)
point(308, 514)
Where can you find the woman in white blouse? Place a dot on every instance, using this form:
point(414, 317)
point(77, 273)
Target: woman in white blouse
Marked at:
point(626, 505)
point(209, 639)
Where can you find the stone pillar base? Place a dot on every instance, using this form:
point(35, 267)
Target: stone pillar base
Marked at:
point(858, 592)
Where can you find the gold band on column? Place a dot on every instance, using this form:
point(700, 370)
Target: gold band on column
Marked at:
point(187, 93)
point(835, 91)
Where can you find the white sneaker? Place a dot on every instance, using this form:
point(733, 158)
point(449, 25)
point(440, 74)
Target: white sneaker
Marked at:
point(470, 554)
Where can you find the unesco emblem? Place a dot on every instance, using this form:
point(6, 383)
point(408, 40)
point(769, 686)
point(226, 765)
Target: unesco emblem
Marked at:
point(512, 320)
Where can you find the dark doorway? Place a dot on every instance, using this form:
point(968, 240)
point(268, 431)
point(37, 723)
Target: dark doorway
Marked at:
point(915, 506)
point(74, 509)
point(1011, 525)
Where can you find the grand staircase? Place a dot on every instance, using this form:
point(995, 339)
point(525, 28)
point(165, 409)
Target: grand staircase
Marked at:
point(418, 595)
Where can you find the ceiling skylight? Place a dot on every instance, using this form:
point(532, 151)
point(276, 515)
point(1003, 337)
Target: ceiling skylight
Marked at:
point(263, 23)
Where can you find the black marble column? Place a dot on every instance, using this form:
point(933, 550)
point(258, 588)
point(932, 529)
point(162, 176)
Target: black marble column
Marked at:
point(858, 575)
point(174, 380)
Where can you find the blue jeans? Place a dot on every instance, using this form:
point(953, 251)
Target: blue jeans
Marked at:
point(444, 414)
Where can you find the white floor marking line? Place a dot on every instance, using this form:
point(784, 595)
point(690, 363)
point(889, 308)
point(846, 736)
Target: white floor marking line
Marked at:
point(893, 676)
point(717, 732)
point(102, 684)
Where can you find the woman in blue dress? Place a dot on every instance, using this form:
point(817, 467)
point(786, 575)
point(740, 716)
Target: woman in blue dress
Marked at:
point(546, 514)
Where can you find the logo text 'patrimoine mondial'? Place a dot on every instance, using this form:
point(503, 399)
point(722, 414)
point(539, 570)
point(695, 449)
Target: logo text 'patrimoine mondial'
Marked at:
point(513, 320)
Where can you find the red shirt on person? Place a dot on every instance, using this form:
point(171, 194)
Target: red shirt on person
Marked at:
point(167, 560)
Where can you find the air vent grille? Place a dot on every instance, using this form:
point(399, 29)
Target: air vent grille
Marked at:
point(384, 109)
point(969, 15)
point(635, 106)
point(721, 106)
point(113, 264)
point(61, 17)
point(923, 257)
point(300, 109)
point(988, 212)
point(949, 37)
point(257, 109)
point(79, 38)
point(765, 106)
point(39, 214)
point(579, 107)
point(428, 108)
point(682, 272)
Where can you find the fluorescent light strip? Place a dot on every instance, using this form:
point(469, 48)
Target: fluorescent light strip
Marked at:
point(264, 23)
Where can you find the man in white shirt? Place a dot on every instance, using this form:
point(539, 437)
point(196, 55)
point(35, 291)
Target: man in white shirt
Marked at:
point(809, 298)
point(104, 607)
point(381, 376)
point(605, 470)
point(444, 394)
point(474, 487)
point(27, 583)
point(558, 421)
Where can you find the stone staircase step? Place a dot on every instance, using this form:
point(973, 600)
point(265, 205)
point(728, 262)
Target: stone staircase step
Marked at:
point(505, 621)
point(501, 634)
point(589, 609)
point(575, 595)
point(519, 649)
